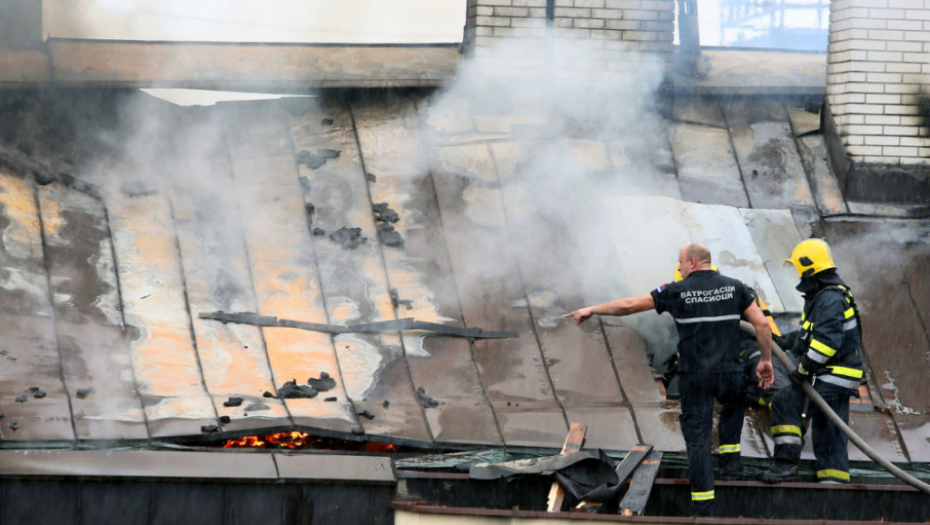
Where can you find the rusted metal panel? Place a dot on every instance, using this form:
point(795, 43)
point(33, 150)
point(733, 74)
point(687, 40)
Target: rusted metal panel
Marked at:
point(27, 331)
point(237, 66)
point(95, 356)
point(755, 436)
point(915, 431)
point(491, 293)
point(825, 188)
point(877, 429)
point(698, 110)
point(776, 235)
point(872, 260)
point(653, 172)
point(732, 247)
point(282, 261)
point(660, 427)
point(354, 282)
point(388, 132)
point(707, 168)
point(629, 353)
point(216, 272)
point(609, 427)
point(577, 358)
point(768, 156)
point(164, 358)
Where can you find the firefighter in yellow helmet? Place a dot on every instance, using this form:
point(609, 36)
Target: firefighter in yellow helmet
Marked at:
point(827, 347)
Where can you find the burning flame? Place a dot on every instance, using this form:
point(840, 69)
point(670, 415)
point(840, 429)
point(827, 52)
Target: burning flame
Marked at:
point(304, 440)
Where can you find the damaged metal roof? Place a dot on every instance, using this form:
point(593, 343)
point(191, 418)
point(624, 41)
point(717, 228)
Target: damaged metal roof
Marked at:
point(101, 296)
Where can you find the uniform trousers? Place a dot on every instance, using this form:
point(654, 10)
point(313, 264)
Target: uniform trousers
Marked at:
point(698, 391)
point(832, 459)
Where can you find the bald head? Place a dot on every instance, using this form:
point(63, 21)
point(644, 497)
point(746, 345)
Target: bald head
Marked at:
point(693, 257)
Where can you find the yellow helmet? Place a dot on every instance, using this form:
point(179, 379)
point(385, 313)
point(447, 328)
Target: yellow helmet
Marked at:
point(677, 276)
point(811, 257)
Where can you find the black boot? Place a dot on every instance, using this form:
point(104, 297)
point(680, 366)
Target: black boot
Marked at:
point(781, 471)
point(731, 469)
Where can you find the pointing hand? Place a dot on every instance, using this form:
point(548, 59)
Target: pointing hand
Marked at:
point(581, 315)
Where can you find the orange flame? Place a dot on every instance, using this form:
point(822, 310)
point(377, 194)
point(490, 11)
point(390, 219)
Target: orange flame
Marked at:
point(304, 440)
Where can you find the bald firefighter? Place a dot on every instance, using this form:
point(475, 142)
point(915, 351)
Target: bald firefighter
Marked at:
point(827, 347)
point(706, 307)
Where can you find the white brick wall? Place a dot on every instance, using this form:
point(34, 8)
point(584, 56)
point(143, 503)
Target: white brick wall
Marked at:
point(878, 73)
point(610, 29)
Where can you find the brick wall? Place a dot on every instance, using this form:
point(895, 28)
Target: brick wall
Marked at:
point(607, 29)
point(878, 74)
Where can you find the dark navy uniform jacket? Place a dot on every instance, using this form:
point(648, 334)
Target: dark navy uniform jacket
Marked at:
point(828, 344)
point(706, 307)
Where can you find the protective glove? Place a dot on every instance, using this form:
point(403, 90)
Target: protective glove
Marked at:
point(671, 370)
point(798, 376)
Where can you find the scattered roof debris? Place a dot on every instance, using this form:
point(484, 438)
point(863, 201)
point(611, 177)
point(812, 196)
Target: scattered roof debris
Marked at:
point(39, 395)
point(225, 420)
point(322, 384)
point(386, 403)
point(384, 213)
point(315, 161)
point(426, 400)
point(21, 399)
point(358, 431)
point(13, 426)
point(326, 122)
point(386, 217)
point(371, 177)
point(311, 210)
point(233, 402)
point(304, 184)
point(319, 232)
point(366, 414)
point(268, 394)
point(397, 301)
point(331, 399)
point(84, 392)
point(207, 429)
point(291, 390)
point(348, 238)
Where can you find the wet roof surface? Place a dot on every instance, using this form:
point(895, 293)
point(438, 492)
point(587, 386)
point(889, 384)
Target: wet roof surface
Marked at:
point(76, 270)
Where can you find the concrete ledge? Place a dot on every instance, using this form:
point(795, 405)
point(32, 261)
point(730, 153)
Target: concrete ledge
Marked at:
point(229, 66)
point(757, 73)
point(219, 465)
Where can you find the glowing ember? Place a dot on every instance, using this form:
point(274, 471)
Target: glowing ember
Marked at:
point(305, 441)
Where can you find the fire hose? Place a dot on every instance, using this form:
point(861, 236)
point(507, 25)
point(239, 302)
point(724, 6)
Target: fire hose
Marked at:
point(844, 428)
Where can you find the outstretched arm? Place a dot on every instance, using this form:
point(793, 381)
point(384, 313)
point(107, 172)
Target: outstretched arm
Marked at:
point(764, 369)
point(625, 306)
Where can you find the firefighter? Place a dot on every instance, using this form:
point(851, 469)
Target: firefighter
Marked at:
point(828, 351)
point(729, 465)
point(706, 307)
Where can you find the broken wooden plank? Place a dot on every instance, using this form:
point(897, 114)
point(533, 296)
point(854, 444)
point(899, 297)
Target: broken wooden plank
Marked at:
point(634, 502)
point(573, 443)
